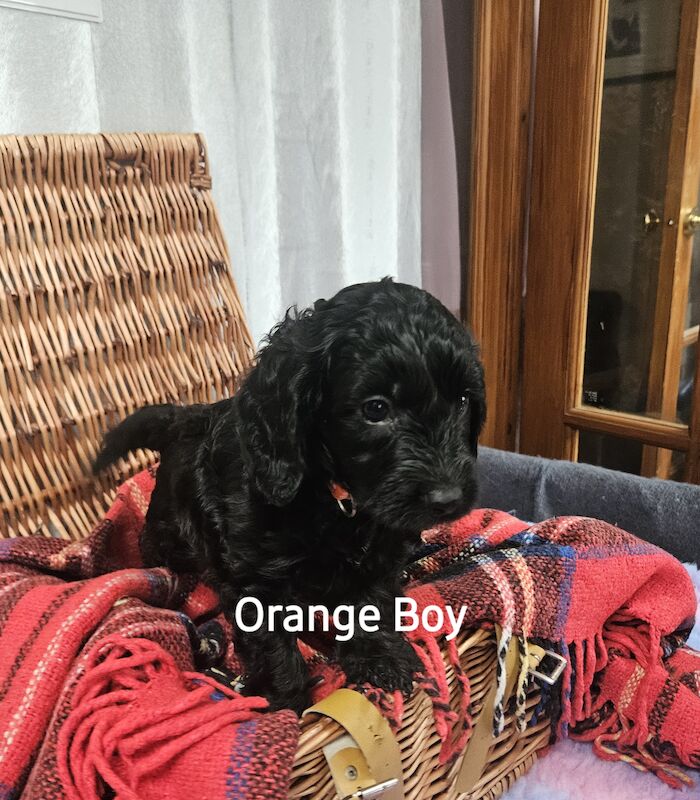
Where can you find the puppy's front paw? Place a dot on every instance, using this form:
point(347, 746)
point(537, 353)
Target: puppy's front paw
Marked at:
point(388, 664)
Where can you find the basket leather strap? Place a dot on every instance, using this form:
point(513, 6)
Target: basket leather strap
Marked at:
point(366, 761)
point(481, 740)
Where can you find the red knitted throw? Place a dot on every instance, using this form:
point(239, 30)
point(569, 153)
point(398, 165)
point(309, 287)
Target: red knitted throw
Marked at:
point(97, 680)
point(100, 659)
point(619, 609)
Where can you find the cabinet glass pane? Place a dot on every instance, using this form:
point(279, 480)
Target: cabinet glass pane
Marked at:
point(637, 107)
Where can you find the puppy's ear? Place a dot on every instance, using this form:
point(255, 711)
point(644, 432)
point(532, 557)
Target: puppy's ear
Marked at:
point(478, 405)
point(276, 404)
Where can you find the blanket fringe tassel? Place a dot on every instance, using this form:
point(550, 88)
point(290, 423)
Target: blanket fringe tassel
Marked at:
point(112, 737)
point(621, 738)
point(619, 744)
point(454, 726)
point(434, 683)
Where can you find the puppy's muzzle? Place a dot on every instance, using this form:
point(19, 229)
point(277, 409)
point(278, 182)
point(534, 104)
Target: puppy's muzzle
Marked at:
point(445, 501)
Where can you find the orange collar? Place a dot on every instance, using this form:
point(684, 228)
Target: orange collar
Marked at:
point(343, 498)
point(339, 492)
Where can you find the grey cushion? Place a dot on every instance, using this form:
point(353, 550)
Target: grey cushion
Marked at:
point(663, 512)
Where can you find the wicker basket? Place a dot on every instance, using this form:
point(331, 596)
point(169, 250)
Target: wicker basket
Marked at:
point(508, 756)
point(116, 292)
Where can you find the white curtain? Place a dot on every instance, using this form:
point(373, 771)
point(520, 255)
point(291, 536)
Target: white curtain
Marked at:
point(311, 110)
point(440, 203)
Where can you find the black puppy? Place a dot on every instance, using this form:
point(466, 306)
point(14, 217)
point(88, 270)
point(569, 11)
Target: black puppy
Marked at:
point(356, 430)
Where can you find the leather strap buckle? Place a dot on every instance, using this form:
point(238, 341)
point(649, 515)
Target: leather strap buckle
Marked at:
point(551, 676)
point(365, 760)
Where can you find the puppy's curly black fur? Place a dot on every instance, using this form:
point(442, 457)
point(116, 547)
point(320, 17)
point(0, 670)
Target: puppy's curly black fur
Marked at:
point(379, 390)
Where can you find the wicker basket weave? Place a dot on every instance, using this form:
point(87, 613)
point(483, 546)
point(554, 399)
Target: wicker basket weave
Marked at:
point(511, 754)
point(115, 291)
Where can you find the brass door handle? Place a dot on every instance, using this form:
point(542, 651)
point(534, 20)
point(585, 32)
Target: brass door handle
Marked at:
point(692, 222)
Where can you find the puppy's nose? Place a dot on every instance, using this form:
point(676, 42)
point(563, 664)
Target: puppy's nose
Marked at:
point(445, 501)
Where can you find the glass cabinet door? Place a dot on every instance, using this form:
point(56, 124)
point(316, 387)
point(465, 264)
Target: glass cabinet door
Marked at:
point(613, 260)
point(638, 96)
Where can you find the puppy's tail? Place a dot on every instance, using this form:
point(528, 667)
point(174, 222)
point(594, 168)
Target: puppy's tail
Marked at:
point(148, 427)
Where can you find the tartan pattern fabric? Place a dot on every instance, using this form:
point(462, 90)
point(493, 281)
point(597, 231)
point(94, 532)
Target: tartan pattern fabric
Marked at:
point(618, 608)
point(92, 644)
point(75, 614)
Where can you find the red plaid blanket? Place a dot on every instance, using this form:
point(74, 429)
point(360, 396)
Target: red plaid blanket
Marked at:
point(101, 661)
point(98, 680)
point(618, 608)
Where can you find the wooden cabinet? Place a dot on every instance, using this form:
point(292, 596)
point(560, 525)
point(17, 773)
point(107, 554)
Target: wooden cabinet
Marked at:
point(584, 279)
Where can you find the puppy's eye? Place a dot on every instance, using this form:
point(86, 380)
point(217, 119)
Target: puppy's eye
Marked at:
point(464, 400)
point(375, 410)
